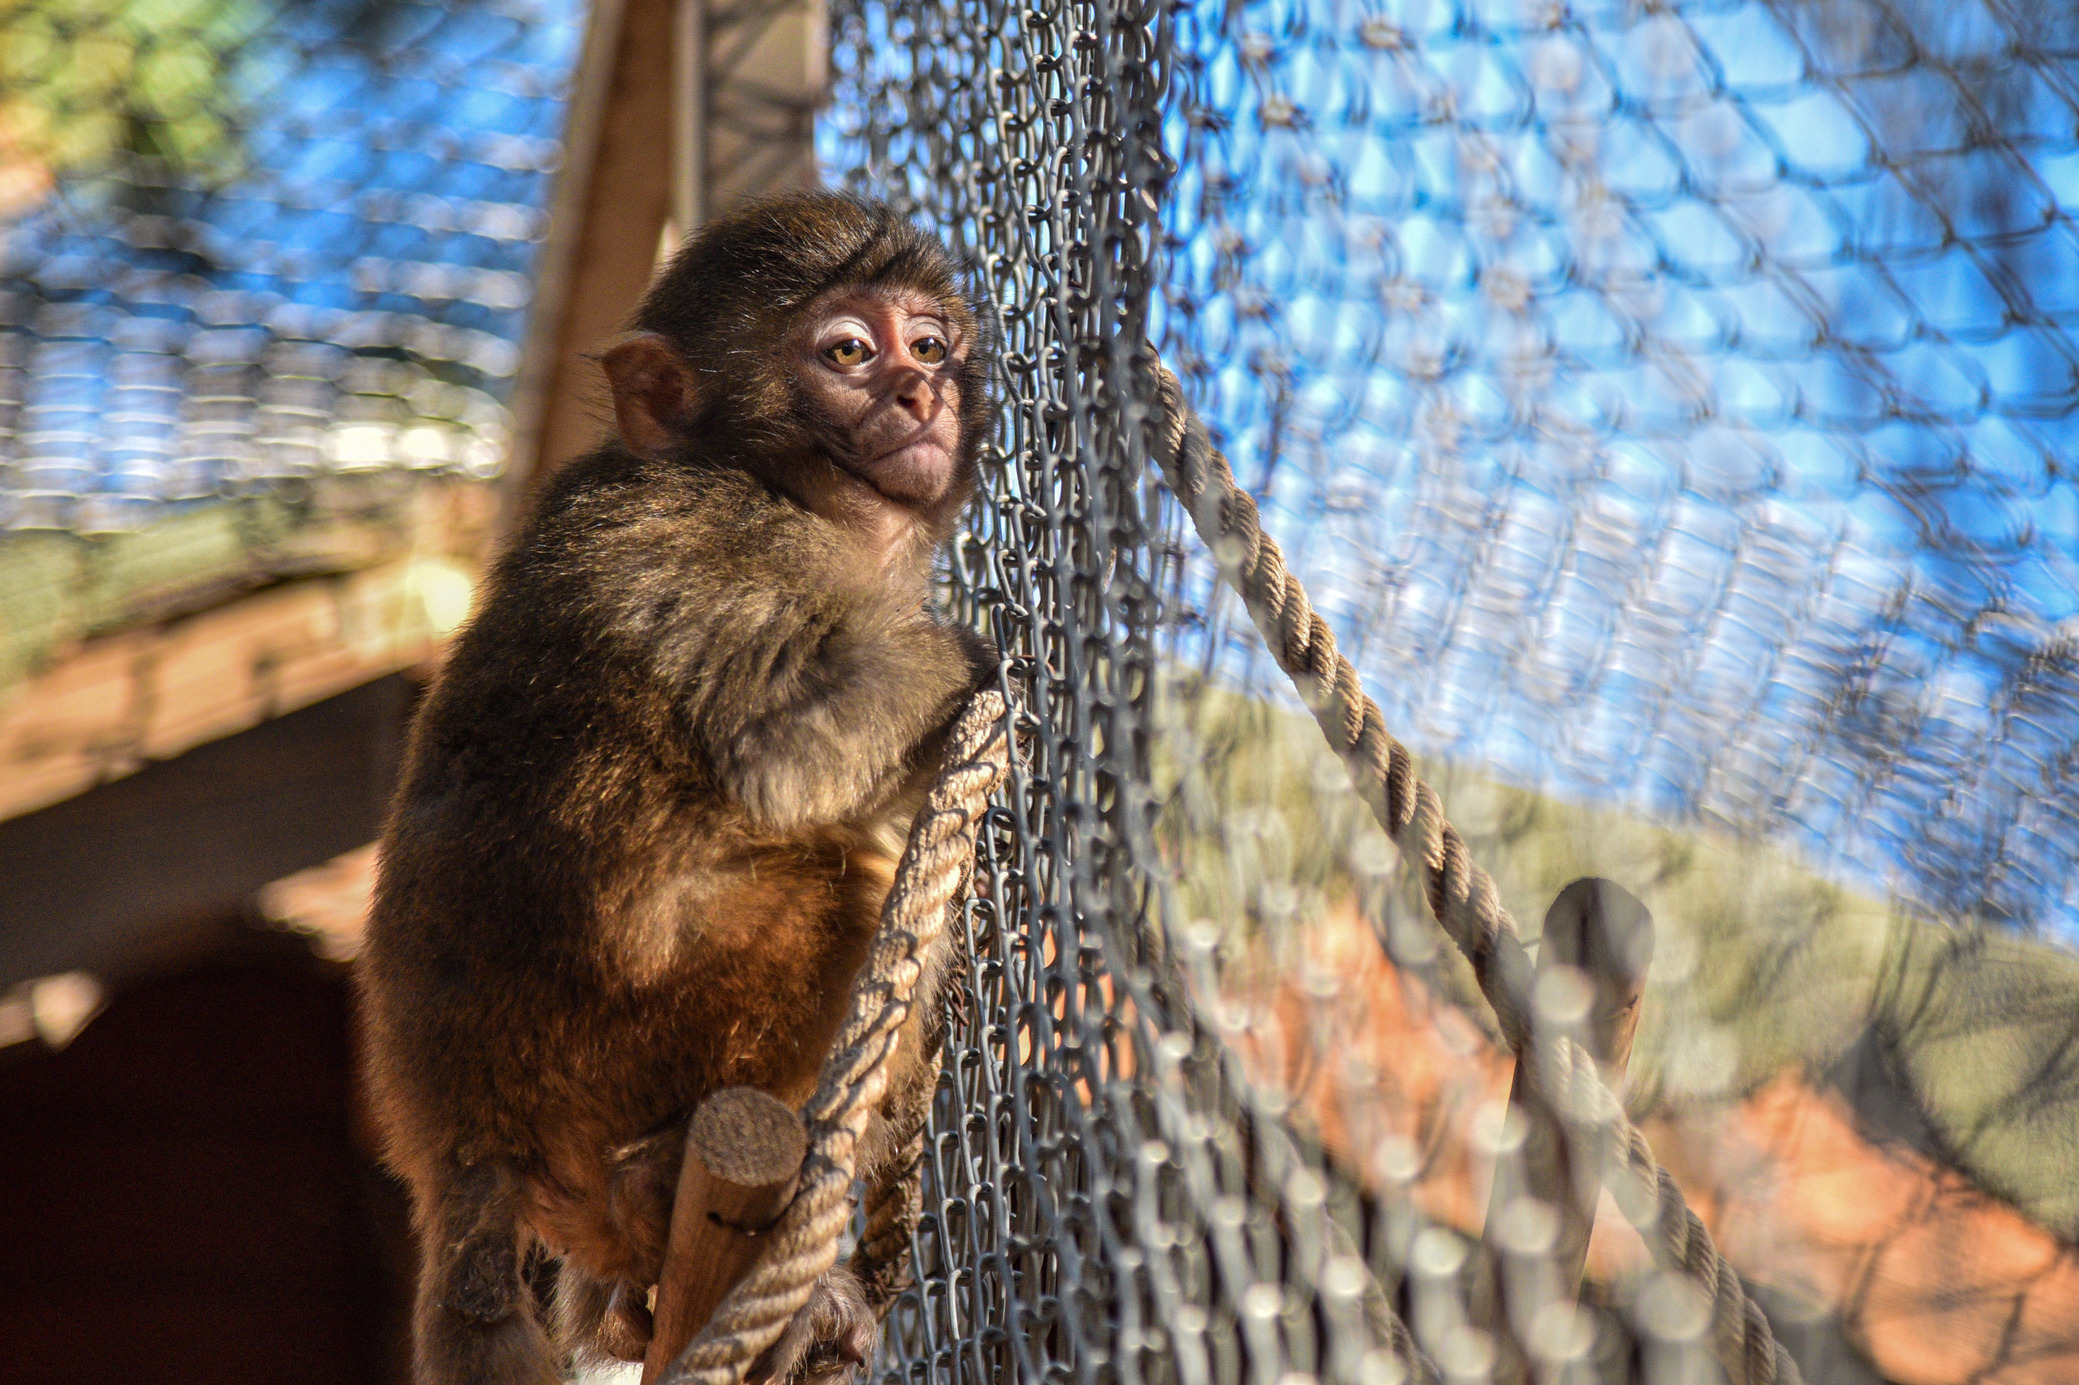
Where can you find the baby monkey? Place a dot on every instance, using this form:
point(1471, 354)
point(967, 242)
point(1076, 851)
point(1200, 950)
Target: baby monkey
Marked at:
point(654, 800)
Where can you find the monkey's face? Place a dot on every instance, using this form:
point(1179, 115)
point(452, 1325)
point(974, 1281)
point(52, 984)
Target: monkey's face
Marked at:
point(883, 369)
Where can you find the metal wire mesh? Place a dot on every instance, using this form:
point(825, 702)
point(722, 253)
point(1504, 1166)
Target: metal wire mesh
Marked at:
point(1669, 404)
point(1676, 399)
point(250, 244)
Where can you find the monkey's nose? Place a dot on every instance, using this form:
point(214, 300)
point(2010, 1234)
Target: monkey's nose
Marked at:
point(915, 395)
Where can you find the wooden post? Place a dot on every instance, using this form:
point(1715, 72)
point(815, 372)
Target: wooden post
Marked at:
point(767, 74)
point(1605, 935)
point(743, 1161)
point(612, 198)
point(678, 111)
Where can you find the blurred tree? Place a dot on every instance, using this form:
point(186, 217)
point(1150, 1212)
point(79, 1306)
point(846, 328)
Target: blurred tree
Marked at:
point(131, 92)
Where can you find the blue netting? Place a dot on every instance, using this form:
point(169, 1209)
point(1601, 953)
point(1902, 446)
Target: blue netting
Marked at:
point(1669, 404)
point(250, 243)
point(1676, 402)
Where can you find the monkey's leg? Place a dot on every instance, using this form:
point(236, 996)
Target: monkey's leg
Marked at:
point(830, 1338)
point(474, 1321)
point(602, 1294)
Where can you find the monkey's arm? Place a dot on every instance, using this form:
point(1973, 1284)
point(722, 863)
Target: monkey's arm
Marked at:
point(810, 699)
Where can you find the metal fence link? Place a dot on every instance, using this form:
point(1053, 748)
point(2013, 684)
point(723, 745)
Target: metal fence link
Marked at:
point(1667, 407)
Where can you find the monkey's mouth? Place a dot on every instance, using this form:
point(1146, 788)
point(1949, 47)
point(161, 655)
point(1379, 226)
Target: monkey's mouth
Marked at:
point(915, 471)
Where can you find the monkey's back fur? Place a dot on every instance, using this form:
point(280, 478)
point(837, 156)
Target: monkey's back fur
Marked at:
point(652, 803)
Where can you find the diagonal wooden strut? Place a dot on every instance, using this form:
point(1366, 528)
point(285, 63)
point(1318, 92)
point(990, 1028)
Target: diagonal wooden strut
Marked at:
point(1597, 944)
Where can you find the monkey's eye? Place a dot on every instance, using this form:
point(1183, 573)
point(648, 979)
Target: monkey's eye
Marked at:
point(929, 350)
point(849, 352)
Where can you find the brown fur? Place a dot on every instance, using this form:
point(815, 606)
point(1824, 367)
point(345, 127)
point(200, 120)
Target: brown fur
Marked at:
point(652, 803)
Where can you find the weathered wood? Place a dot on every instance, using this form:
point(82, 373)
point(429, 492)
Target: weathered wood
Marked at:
point(154, 690)
point(680, 110)
point(689, 118)
point(612, 200)
point(743, 1160)
point(91, 880)
point(1603, 936)
point(767, 74)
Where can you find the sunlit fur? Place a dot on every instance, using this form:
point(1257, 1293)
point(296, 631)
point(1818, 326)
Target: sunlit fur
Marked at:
point(652, 806)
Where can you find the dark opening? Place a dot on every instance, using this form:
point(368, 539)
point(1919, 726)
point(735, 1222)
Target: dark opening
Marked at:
point(183, 1196)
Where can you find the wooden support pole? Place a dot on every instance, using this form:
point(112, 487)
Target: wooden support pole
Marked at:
point(1597, 938)
point(612, 199)
point(743, 1161)
point(767, 74)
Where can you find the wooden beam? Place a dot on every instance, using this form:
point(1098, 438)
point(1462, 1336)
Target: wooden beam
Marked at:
point(611, 203)
point(121, 701)
point(767, 76)
point(681, 108)
point(95, 877)
point(689, 118)
point(1596, 933)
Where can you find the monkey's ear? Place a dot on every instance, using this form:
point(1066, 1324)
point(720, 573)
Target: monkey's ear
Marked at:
point(653, 392)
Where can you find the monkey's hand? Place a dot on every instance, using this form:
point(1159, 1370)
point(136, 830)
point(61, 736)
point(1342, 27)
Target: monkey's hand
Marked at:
point(829, 1340)
point(814, 712)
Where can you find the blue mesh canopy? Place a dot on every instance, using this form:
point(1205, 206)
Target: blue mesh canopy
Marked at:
point(1671, 405)
point(250, 243)
point(1676, 403)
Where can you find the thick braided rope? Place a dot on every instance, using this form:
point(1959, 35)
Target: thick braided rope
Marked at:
point(804, 1242)
point(1460, 893)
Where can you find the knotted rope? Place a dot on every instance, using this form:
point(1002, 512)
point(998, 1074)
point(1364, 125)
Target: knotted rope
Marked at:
point(803, 1244)
point(1460, 893)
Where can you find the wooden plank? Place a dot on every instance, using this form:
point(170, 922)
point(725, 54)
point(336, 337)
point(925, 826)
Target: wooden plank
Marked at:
point(611, 203)
point(688, 119)
point(125, 700)
point(681, 110)
point(94, 877)
point(106, 706)
point(767, 75)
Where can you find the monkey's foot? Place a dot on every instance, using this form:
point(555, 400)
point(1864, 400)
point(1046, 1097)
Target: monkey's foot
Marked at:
point(829, 1340)
point(625, 1327)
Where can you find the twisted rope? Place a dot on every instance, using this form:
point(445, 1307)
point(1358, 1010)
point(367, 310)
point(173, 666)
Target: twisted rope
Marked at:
point(1460, 893)
point(804, 1242)
point(882, 1257)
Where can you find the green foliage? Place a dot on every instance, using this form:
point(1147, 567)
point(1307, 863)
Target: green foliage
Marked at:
point(90, 87)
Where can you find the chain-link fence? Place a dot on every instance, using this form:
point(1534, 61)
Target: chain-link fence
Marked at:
point(1668, 406)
